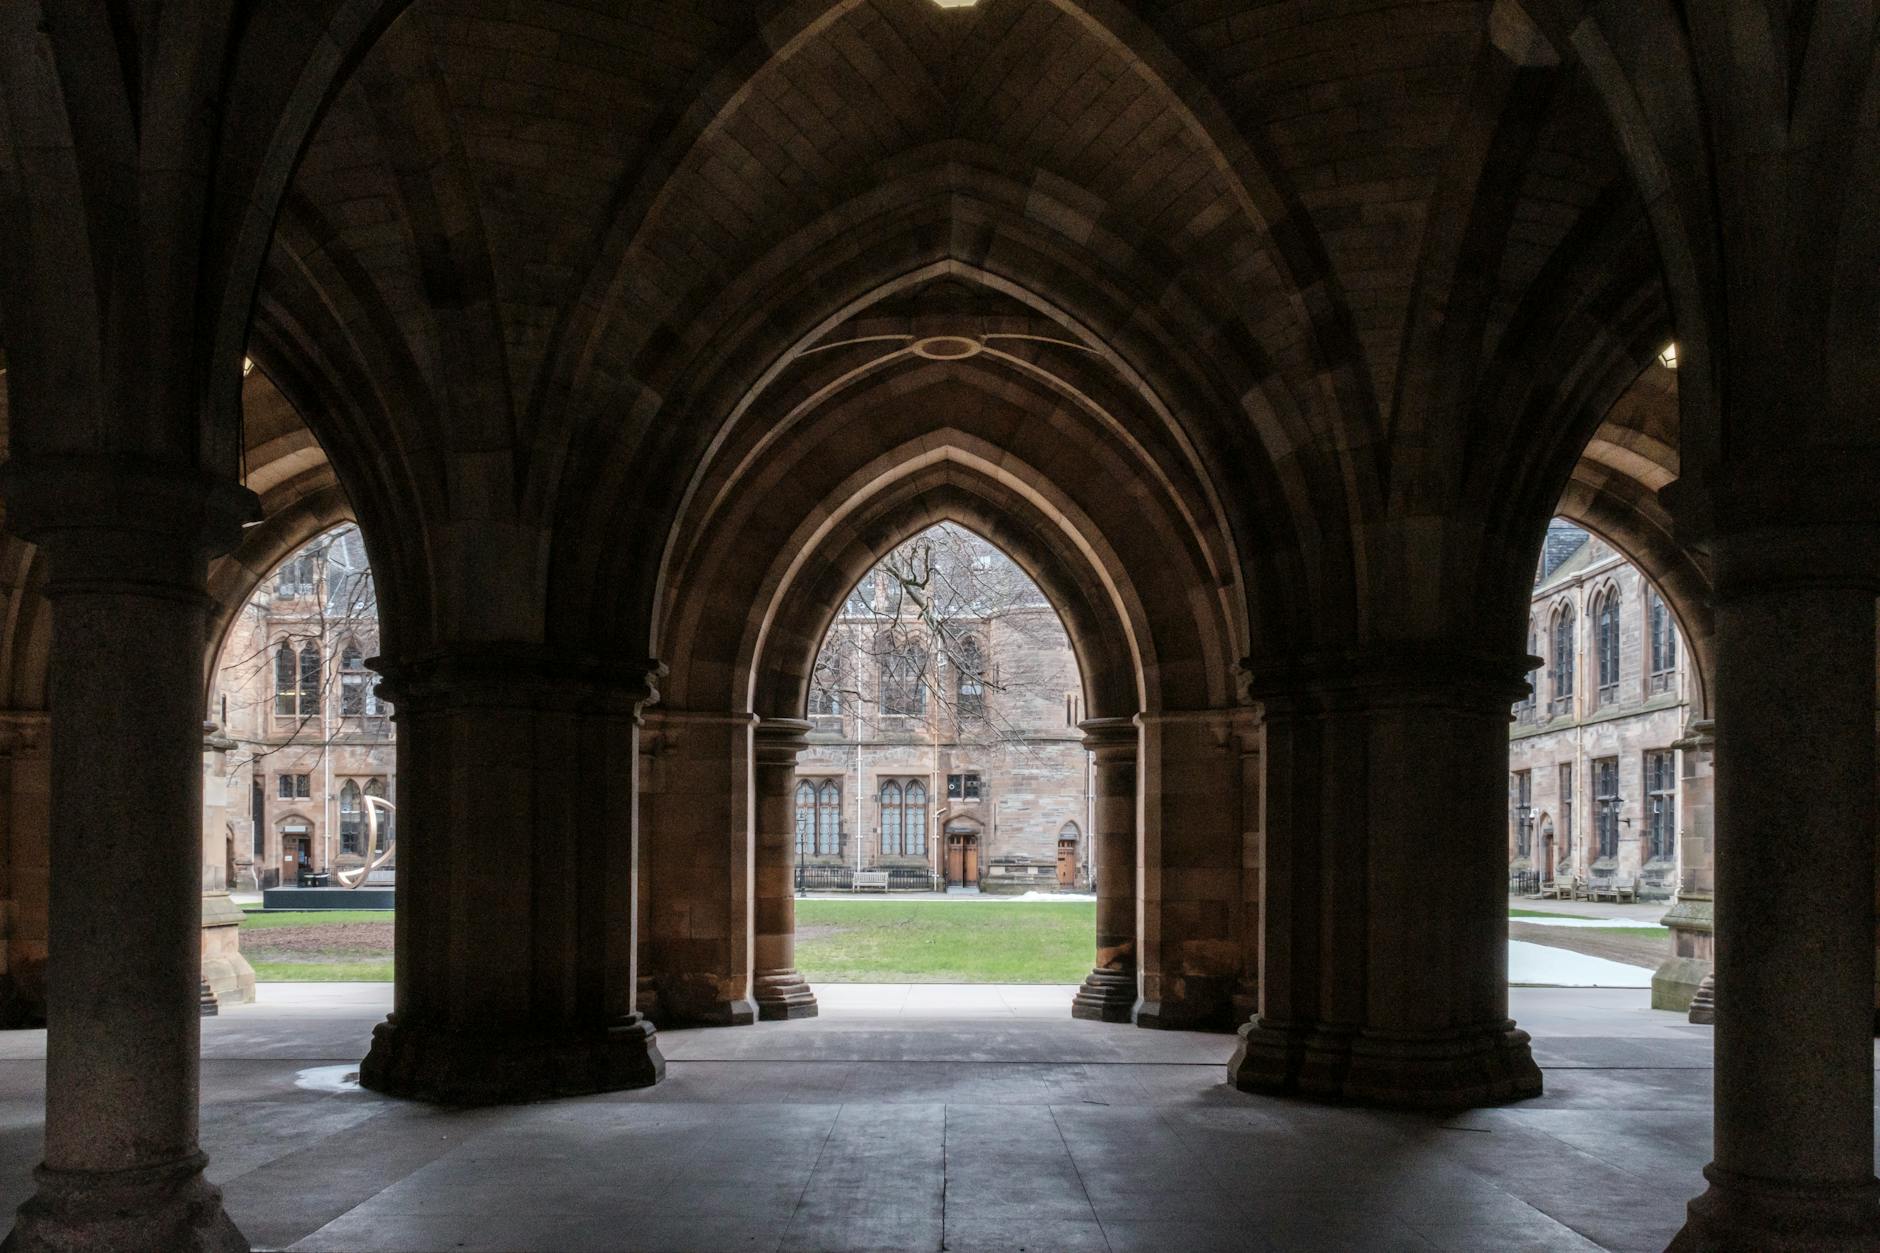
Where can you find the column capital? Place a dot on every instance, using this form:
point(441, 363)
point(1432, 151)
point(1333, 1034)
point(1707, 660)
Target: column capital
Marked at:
point(102, 513)
point(22, 730)
point(1700, 735)
point(777, 741)
point(518, 676)
point(1110, 739)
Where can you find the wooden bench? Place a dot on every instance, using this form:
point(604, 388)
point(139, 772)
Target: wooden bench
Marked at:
point(872, 880)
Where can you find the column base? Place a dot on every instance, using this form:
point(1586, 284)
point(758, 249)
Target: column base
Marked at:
point(782, 995)
point(699, 1001)
point(1452, 1070)
point(1740, 1214)
point(1106, 996)
point(429, 1063)
point(160, 1207)
point(1202, 1004)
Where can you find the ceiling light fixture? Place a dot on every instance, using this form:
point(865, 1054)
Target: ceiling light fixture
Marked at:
point(1668, 358)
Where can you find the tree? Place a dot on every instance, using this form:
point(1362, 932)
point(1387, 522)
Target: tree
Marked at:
point(920, 638)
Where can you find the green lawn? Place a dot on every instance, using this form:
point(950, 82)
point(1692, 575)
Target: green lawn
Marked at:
point(945, 942)
point(258, 920)
point(319, 945)
point(367, 971)
point(1543, 913)
point(837, 942)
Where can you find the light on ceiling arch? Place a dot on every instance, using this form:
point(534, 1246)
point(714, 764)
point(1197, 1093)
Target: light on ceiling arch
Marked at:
point(956, 4)
point(1668, 356)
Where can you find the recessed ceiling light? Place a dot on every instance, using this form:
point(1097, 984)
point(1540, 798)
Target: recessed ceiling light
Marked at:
point(248, 366)
point(1668, 358)
point(956, 4)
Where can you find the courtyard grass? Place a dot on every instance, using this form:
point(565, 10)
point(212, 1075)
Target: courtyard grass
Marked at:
point(945, 942)
point(837, 942)
point(319, 945)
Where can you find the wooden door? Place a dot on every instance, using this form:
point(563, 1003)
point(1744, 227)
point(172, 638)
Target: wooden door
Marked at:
point(1067, 863)
point(972, 861)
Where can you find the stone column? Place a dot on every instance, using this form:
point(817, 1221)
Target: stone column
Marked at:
point(126, 548)
point(1384, 972)
point(1692, 916)
point(516, 847)
point(1794, 1090)
point(780, 990)
point(698, 867)
point(1109, 991)
point(1188, 794)
point(1251, 736)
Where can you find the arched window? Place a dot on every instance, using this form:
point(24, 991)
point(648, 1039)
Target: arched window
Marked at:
point(914, 825)
point(829, 819)
point(352, 682)
point(295, 577)
point(309, 679)
point(1562, 674)
point(351, 821)
point(376, 787)
point(970, 679)
point(1664, 646)
point(805, 819)
point(1606, 645)
point(891, 819)
point(286, 681)
point(903, 687)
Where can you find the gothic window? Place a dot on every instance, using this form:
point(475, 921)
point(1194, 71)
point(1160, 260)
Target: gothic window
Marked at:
point(309, 679)
point(286, 681)
point(903, 690)
point(376, 787)
point(891, 819)
point(1566, 807)
point(352, 683)
point(1562, 676)
point(1606, 805)
point(914, 824)
point(805, 818)
point(1664, 646)
point(351, 821)
point(1521, 791)
point(1606, 643)
point(971, 679)
point(1661, 799)
point(295, 577)
point(829, 819)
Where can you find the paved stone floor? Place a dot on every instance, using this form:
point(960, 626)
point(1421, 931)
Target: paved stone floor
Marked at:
point(929, 1118)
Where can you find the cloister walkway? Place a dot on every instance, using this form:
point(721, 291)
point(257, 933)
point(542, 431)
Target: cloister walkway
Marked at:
point(905, 1117)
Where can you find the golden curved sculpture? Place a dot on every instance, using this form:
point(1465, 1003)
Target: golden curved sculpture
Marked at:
point(353, 878)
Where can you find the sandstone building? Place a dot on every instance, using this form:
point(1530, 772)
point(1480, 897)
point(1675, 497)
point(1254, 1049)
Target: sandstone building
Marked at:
point(1593, 757)
point(949, 754)
point(1267, 337)
point(303, 736)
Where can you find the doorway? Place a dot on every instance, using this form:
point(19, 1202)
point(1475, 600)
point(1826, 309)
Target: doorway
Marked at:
point(1067, 863)
point(962, 858)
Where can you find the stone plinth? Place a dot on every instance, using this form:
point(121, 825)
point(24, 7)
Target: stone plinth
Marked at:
point(224, 969)
point(472, 1067)
point(1385, 927)
point(514, 962)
